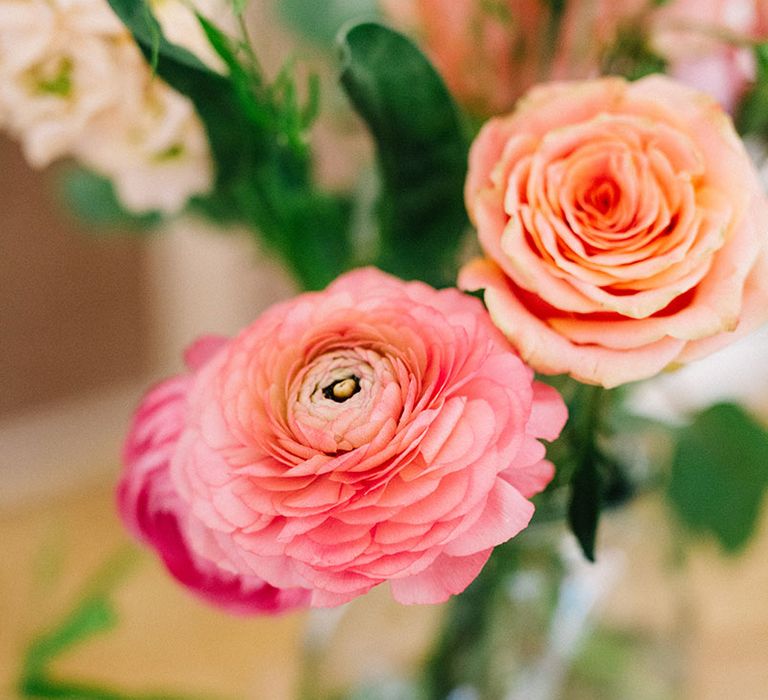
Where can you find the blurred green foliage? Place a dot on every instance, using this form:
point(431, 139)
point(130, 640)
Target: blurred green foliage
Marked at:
point(720, 475)
point(752, 114)
point(93, 200)
point(320, 22)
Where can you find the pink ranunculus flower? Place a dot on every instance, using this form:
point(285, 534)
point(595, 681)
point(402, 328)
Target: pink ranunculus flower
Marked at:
point(624, 226)
point(376, 431)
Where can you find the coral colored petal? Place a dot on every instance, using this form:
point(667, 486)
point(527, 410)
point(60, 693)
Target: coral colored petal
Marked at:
point(202, 350)
point(505, 514)
point(548, 412)
point(446, 577)
point(531, 479)
point(549, 352)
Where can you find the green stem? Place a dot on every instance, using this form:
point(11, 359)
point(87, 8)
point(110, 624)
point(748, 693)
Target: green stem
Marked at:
point(93, 614)
point(462, 654)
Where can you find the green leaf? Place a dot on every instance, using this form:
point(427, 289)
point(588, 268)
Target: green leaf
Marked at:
point(752, 113)
point(320, 22)
point(421, 149)
point(92, 198)
point(584, 505)
point(591, 472)
point(92, 616)
point(720, 475)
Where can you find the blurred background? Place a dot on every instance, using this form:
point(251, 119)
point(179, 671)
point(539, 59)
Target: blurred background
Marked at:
point(88, 322)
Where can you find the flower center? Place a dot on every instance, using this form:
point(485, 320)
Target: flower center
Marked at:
point(342, 389)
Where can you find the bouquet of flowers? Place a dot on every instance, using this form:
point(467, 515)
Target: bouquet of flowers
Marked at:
point(569, 202)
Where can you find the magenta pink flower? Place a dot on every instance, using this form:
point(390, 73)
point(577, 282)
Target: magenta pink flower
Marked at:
point(376, 431)
point(154, 513)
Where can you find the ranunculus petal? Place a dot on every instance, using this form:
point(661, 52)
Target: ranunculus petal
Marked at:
point(446, 577)
point(494, 525)
point(548, 413)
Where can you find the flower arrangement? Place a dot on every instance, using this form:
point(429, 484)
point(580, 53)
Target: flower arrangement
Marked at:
point(578, 202)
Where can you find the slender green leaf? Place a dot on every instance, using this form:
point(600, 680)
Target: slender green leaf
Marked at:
point(92, 616)
point(238, 6)
point(720, 475)
point(584, 506)
point(421, 149)
point(591, 471)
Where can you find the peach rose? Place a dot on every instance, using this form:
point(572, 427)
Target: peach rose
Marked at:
point(624, 226)
point(376, 431)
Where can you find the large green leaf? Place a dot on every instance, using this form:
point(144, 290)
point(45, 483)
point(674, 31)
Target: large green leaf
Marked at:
point(720, 474)
point(421, 148)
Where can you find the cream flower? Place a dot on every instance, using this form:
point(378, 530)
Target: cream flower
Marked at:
point(57, 65)
point(73, 83)
point(152, 146)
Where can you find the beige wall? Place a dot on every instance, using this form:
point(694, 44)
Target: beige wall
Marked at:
point(73, 312)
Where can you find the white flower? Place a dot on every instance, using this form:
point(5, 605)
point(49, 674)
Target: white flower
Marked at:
point(152, 146)
point(56, 71)
point(73, 83)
